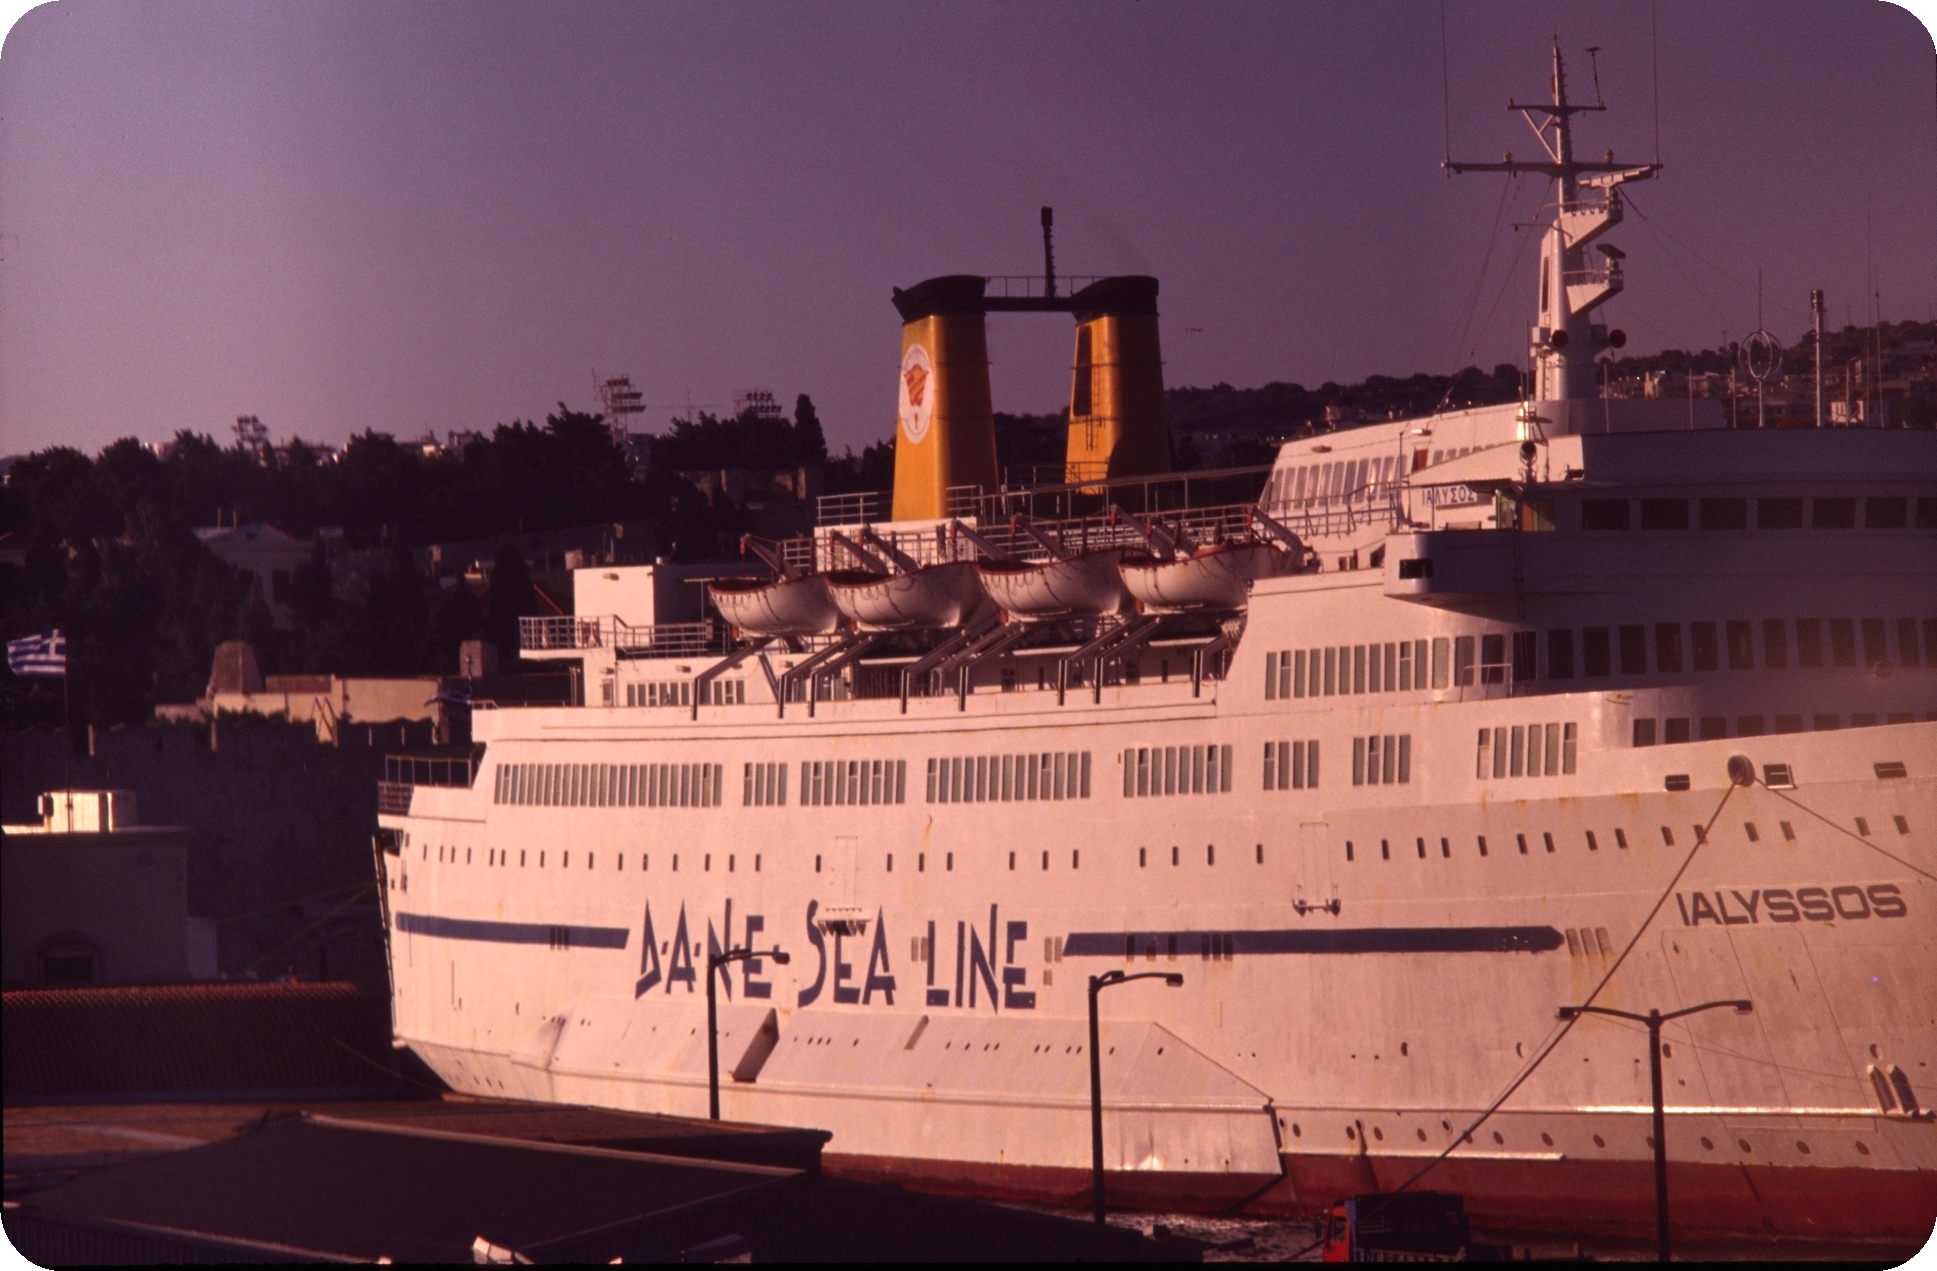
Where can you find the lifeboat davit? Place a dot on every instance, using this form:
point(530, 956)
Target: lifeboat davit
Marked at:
point(932, 596)
point(1214, 577)
point(1081, 587)
point(780, 607)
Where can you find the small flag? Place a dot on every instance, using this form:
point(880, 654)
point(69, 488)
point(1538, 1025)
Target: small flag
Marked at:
point(42, 657)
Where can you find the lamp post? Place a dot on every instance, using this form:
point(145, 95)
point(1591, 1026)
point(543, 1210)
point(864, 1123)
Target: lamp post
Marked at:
point(1097, 984)
point(714, 961)
point(1654, 1020)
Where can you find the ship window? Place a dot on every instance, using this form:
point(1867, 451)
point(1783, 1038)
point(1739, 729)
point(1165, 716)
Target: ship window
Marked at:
point(1902, 823)
point(1674, 731)
point(1331, 671)
point(1667, 647)
point(1592, 846)
point(1644, 732)
point(1778, 514)
point(1261, 849)
point(1521, 840)
point(1405, 666)
point(1012, 860)
point(1462, 661)
point(1748, 725)
point(1441, 662)
point(1927, 513)
point(1560, 655)
point(1725, 514)
point(1741, 647)
point(1297, 669)
point(1907, 642)
point(1833, 514)
point(1594, 651)
point(1385, 850)
point(1517, 764)
point(1704, 652)
point(1664, 514)
point(1748, 828)
point(1667, 836)
point(1620, 838)
point(1842, 642)
point(1775, 644)
point(1548, 838)
point(1493, 659)
point(1525, 647)
point(1890, 513)
point(1569, 744)
point(1348, 849)
point(1499, 752)
point(1173, 854)
point(1604, 514)
point(1358, 668)
point(1482, 845)
point(1143, 858)
point(1634, 650)
point(1863, 826)
point(1484, 761)
point(1421, 845)
point(1270, 676)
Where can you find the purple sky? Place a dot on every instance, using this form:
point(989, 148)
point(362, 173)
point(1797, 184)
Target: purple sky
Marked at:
point(340, 215)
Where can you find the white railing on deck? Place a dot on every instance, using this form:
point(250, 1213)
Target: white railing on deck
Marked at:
point(672, 640)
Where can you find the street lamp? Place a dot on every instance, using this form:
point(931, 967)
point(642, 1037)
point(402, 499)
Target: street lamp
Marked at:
point(1654, 1020)
point(714, 961)
point(1097, 984)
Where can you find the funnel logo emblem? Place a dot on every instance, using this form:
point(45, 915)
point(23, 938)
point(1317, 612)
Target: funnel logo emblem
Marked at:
point(917, 392)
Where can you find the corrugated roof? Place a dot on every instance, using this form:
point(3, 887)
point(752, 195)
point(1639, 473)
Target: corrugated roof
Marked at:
point(65, 1043)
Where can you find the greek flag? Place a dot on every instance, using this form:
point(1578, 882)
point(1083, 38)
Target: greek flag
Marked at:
point(43, 656)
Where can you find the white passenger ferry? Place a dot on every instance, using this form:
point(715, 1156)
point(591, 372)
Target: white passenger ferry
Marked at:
point(1437, 726)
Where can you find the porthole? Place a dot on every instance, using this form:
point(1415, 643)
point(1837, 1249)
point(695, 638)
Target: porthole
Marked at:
point(1744, 1145)
point(1296, 1130)
point(1547, 1139)
point(1599, 1141)
point(1862, 1148)
point(1708, 1144)
point(1802, 1147)
point(1378, 1134)
point(1422, 1135)
point(1498, 1137)
point(1349, 1134)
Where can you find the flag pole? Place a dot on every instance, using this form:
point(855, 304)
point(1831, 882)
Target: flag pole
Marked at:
point(67, 757)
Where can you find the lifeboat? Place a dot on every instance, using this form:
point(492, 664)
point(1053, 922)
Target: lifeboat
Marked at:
point(780, 607)
point(1214, 577)
point(932, 596)
point(1080, 587)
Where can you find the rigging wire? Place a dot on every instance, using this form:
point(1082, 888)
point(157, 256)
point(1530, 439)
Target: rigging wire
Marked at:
point(1874, 847)
point(1559, 1033)
point(1479, 282)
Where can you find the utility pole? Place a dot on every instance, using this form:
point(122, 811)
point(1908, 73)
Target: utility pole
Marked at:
point(714, 961)
point(1097, 984)
point(1654, 1019)
point(1816, 316)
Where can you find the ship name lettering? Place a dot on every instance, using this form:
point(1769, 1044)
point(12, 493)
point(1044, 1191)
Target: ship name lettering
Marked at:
point(1847, 901)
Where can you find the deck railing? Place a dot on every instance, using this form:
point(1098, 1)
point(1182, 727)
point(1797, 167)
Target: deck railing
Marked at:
point(607, 631)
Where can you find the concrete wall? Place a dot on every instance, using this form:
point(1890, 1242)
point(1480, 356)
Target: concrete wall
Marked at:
point(123, 894)
point(279, 831)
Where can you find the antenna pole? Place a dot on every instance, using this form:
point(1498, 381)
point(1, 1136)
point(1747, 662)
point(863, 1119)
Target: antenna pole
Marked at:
point(1816, 316)
point(1049, 252)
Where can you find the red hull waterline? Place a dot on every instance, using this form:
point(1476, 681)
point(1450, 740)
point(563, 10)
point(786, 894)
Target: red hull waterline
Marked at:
point(1580, 1197)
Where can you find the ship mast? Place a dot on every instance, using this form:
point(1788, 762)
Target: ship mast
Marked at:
point(1565, 339)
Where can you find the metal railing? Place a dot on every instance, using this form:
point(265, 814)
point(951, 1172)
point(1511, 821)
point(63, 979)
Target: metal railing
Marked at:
point(671, 640)
point(852, 509)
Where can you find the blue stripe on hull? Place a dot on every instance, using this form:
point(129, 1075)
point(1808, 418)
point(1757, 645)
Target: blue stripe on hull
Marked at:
point(1120, 944)
point(512, 932)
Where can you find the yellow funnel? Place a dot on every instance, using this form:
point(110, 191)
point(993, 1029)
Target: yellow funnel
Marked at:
point(945, 429)
point(1116, 401)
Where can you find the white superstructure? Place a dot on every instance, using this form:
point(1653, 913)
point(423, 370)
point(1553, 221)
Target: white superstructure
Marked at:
point(1466, 740)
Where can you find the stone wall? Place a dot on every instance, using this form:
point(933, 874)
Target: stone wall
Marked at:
point(280, 831)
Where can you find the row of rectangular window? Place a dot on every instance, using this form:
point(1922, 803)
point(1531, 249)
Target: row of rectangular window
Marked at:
point(680, 693)
point(1532, 750)
point(604, 785)
point(1045, 776)
point(1649, 732)
point(764, 785)
point(1713, 646)
point(1355, 668)
point(1382, 760)
point(852, 782)
point(1150, 771)
point(1291, 765)
point(1885, 512)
